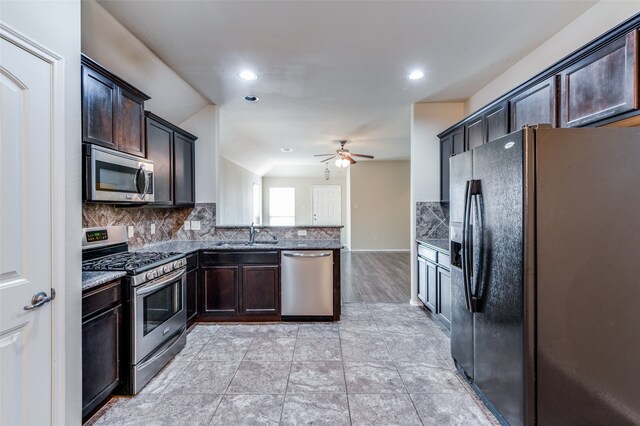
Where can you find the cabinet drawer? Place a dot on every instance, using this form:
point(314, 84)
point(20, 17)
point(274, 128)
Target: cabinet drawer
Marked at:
point(237, 257)
point(192, 261)
point(103, 297)
point(601, 85)
point(428, 253)
point(444, 260)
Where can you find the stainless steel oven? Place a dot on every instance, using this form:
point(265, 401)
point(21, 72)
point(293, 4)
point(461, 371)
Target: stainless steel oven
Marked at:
point(114, 177)
point(159, 310)
point(159, 313)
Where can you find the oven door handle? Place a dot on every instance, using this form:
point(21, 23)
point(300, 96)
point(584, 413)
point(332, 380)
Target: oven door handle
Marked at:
point(159, 283)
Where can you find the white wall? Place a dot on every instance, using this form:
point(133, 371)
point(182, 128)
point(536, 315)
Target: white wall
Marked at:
point(380, 211)
point(303, 192)
point(205, 125)
point(427, 121)
point(235, 193)
point(603, 16)
point(56, 26)
point(109, 43)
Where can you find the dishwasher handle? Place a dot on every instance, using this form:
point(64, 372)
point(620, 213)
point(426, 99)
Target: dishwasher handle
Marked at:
point(290, 254)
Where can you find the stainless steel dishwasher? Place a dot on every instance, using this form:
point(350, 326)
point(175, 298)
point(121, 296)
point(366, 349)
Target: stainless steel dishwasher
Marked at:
point(307, 283)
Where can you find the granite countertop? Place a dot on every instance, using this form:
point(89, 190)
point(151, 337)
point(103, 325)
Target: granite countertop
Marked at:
point(188, 247)
point(92, 279)
point(440, 244)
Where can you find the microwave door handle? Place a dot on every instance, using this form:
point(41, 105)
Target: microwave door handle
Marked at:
point(135, 179)
point(159, 283)
point(466, 247)
point(146, 185)
point(141, 191)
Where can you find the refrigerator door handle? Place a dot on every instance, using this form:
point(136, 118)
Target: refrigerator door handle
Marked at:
point(466, 247)
point(476, 197)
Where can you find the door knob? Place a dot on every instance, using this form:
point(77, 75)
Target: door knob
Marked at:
point(40, 299)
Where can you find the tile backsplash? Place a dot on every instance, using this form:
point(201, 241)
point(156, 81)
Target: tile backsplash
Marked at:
point(169, 225)
point(168, 222)
point(432, 220)
point(234, 233)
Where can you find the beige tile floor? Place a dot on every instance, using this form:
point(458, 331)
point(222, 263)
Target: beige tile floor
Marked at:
point(382, 364)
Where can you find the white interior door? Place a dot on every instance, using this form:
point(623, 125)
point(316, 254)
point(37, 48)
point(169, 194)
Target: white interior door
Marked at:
point(25, 236)
point(326, 205)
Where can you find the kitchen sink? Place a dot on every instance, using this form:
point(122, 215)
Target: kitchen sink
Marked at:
point(230, 243)
point(246, 243)
point(262, 243)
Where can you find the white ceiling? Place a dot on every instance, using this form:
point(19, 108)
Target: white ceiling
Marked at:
point(335, 69)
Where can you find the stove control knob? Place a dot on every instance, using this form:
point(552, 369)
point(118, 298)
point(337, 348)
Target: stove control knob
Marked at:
point(167, 268)
point(177, 264)
point(150, 275)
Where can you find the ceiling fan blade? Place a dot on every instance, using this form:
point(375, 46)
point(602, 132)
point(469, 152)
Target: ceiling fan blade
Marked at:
point(322, 155)
point(327, 159)
point(351, 160)
point(362, 155)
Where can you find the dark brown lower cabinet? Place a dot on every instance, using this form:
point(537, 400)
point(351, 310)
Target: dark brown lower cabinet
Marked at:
point(101, 334)
point(432, 288)
point(444, 296)
point(192, 288)
point(239, 286)
point(220, 291)
point(434, 282)
point(192, 296)
point(260, 290)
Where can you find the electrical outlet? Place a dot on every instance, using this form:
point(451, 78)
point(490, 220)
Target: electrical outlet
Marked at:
point(355, 206)
point(153, 228)
point(187, 225)
point(302, 232)
point(130, 231)
point(195, 225)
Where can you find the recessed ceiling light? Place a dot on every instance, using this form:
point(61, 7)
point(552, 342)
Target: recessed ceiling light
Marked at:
point(251, 98)
point(286, 149)
point(416, 75)
point(248, 75)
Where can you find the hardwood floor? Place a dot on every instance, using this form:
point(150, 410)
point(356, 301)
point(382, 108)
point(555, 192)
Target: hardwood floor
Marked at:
point(375, 277)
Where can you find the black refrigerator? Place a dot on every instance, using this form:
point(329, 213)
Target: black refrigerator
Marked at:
point(545, 274)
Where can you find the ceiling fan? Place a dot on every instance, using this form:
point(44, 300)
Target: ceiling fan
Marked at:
point(344, 157)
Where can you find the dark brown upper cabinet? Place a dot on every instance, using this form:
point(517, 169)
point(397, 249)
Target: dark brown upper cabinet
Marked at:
point(184, 157)
point(450, 144)
point(492, 124)
point(601, 85)
point(172, 151)
point(535, 106)
point(112, 110)
point(474, 133)
point(496, 122)
point(457, 141)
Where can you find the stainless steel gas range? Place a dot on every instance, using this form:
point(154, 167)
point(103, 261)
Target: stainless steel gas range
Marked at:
point(155, 301)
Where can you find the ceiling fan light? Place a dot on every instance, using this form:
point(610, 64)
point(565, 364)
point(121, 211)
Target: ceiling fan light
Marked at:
point(342, 162)
point(415, 75)
point(248, 75)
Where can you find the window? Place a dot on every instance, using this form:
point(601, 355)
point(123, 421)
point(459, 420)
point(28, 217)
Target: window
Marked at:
point(282, 206)
point(257, 204)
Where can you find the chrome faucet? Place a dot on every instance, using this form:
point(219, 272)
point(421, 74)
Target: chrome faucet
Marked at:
point(252, 233)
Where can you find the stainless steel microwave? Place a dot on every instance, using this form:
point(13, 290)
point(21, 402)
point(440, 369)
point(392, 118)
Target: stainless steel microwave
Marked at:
point(114, 177)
